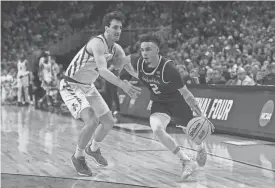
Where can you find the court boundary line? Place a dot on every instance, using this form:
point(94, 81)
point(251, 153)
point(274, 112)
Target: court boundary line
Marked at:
point(146, 150)
point(74, 178)
point(211, 154)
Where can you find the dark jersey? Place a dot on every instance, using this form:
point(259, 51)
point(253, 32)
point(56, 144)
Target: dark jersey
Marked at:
point(162, 81)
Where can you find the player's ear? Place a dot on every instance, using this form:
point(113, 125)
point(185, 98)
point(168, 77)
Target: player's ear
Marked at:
point(106, 29)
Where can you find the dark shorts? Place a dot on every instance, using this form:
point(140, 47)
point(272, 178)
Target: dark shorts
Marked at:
point(179, 111)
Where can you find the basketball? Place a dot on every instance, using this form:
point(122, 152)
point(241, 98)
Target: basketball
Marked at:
point(198, 129)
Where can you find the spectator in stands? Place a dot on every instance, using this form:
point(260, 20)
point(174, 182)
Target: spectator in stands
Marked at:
point(216, 38)
point(217, 77)
point(265, 70)
point(194, 75)
point(243, 78)
point(259, 78)
point(269, 79)
point(185, 75)
point(255, 69)
point(202, 75)
point(209, 76)
point(248, 70)
point(182, 70)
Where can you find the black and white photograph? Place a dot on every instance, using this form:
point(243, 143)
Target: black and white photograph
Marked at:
point(137, 94)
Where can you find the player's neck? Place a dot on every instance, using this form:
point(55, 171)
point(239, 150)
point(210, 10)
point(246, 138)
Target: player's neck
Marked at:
point(109, 41)
point(154, 63)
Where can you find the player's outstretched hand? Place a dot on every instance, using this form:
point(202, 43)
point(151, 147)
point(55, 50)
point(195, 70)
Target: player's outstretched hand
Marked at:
point(130, 89)
point(182, 127)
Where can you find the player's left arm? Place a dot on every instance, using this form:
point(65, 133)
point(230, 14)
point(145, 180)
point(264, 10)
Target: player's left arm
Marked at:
point(174, 77)
point(190, 100)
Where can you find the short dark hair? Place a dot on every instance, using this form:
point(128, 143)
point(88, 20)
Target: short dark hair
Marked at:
point(151, 38)
point(115, 15)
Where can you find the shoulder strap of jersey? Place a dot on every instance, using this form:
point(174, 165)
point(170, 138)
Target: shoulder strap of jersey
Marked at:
point(139, 63)
point(102, 38)
point(99, 37)
point(163, 65)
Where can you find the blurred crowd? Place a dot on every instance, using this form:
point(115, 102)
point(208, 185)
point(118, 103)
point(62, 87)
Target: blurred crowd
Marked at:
point(225, 42)
point(211, 42)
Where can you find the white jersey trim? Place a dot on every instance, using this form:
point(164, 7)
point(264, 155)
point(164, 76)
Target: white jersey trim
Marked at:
point(163, 71)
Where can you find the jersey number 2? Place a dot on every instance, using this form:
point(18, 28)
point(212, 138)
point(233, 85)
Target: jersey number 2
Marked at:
point(155, 88)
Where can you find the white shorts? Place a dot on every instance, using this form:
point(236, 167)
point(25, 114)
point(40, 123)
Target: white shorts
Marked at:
point(78, 97)
point(23, 81)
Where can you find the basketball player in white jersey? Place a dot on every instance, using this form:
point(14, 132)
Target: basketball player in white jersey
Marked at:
point(23, 81)
point(82, 98)
point(47, 76)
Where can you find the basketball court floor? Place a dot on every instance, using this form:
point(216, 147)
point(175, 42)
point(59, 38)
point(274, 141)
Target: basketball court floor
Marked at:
point(36, 147)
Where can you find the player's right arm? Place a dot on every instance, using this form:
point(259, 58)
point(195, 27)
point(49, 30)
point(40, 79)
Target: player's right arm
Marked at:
point(172, 75)
point(130, 65)
point(97, 47)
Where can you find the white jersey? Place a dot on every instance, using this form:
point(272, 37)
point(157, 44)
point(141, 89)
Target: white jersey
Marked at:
point(46, 71)
point(83, 67)
point(22, 68)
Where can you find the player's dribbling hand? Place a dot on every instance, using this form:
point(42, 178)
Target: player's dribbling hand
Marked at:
point(210, 123)
point(130, 89)
point(212, 126)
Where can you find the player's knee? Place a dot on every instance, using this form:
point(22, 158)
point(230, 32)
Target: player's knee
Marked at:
point(107, 120)
point(112, 122)
point(158, 123)
point(157, 126)
point(89, 117)
point(109, 124)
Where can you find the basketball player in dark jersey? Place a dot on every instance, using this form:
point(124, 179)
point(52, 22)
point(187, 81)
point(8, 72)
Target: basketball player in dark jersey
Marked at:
point(171, 98)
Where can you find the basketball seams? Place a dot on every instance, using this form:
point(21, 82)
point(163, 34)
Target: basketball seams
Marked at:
point(193, 123)
point(199, 130)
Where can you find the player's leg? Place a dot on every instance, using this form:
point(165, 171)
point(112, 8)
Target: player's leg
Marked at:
point(31, 89)
point(182, 114)
point(19, 91)
point(25, 83)
point(116, 100)
point(106, 124)
point(158, 122)
point(75, 100)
